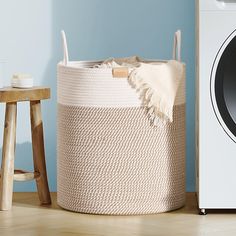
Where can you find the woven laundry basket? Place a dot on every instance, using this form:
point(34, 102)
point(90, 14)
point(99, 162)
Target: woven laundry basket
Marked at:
point(111, 160)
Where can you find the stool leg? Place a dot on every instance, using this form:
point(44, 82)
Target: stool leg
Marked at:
point(38, 152)
point(8, 153)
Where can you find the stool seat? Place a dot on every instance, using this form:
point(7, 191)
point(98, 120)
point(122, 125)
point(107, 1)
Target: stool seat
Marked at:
point(9, 94)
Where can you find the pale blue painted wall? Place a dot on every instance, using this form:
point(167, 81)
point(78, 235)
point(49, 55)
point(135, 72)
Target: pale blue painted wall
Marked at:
point(30, 42)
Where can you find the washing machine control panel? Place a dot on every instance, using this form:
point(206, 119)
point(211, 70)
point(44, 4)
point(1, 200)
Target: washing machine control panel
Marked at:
point(217, 5)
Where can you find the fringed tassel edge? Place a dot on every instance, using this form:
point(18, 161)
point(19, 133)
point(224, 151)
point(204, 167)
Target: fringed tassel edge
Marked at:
point(150, 99)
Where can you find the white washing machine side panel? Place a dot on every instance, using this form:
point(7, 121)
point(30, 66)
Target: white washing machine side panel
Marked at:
point(217, 152)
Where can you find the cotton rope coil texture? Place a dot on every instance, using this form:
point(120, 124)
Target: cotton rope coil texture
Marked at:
point(111, 161)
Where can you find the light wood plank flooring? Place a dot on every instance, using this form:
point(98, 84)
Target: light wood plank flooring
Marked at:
point(28, 218)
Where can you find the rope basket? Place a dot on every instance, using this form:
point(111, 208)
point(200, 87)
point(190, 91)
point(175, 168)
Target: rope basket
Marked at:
point(111, 160)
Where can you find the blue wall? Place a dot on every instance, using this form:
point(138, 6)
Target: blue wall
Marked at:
point(30, 42)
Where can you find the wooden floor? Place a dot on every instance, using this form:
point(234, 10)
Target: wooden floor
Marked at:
point(28, 218)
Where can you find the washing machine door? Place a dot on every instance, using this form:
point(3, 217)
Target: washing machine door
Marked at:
point(223, 86)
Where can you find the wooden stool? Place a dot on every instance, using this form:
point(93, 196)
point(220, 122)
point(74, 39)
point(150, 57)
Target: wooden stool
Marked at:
point(11, 96)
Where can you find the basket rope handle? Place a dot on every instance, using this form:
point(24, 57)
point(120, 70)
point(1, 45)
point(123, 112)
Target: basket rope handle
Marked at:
point(177, 46)
point(65, 48)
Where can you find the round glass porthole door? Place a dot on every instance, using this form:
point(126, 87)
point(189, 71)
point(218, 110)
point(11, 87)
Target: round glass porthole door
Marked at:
point(223, 86)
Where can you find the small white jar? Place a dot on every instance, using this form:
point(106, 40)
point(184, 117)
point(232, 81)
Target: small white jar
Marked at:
point(20, 80)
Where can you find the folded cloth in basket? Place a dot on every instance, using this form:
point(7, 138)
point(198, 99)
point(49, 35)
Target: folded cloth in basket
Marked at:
point(156, 82)
point(130, 62)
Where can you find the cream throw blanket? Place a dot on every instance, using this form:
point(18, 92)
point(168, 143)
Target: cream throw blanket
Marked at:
point(157, 83)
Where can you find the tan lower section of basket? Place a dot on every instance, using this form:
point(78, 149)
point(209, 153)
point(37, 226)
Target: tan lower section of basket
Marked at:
point(112, 161)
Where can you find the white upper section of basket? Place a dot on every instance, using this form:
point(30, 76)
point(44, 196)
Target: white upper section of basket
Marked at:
point(80, 84)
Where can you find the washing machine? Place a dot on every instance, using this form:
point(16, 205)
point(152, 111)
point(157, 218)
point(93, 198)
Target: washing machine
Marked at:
point(216, 104)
